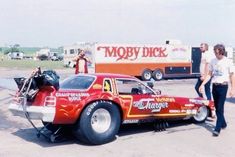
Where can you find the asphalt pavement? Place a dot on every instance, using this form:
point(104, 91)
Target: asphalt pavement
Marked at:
point(182, 138)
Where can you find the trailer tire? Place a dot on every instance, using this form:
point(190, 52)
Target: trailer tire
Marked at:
point(158, 75)
point(146, 75)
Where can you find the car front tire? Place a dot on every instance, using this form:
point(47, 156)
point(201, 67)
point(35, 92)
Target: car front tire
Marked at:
point(201, 115)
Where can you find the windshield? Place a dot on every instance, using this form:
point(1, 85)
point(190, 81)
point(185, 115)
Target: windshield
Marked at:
point(77, 82)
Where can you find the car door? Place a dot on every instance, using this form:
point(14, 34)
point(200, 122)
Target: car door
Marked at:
point(143, 102)
point(137, 97)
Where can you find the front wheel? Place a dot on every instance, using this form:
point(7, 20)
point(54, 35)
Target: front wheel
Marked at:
point(99, 123)
point(201, 115)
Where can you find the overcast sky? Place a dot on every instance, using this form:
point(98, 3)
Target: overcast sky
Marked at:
point(56, 23)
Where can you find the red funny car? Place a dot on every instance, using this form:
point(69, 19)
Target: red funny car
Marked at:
point(97, 104)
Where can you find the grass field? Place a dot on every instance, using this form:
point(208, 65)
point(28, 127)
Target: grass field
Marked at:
point(29, 63)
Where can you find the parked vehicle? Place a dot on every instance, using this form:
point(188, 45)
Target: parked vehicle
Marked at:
point(16, 55)
point(95, 105)
point(145, 61)
point(71, 51)
point(56, 57)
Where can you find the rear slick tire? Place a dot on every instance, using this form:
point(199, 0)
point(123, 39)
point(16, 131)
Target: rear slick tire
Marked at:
point(99, 123)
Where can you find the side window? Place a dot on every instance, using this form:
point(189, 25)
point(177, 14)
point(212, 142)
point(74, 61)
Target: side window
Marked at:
point(132, 87)
point(107, 87)
point(71, 51)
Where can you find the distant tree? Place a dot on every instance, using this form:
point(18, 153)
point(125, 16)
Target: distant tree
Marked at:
point(16, 45)
point(13, 48)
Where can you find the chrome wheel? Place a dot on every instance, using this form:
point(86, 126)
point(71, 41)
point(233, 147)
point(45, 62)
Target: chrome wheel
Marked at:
point(101, 120)
point(157, 75)
point(147, 76)
point(201, 114)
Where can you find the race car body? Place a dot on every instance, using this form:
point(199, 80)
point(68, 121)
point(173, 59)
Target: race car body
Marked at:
point(97, 104)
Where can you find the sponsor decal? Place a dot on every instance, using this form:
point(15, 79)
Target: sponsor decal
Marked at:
point(131, 121)
point(150, 104)
point(174, 111)
point(183, 111)
point(179, 49)
point(165, 99)
point(97, 86)
point(191, 111)
point(189, 105)
point(72, 96)
point(201, 102)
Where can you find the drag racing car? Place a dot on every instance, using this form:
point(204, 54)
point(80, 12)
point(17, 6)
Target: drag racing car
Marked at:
point(95, 105)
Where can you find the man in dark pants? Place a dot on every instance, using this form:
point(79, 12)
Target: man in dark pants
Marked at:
point(205, 60)
point(219, 95)
point(222, 70)
point(207, 88)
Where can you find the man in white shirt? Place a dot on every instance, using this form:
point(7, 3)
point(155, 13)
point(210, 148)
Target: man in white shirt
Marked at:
point(221, 70)
point(204, 69)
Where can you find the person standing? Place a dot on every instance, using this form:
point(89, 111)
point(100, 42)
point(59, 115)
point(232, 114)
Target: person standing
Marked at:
point(221, 70)
point(81, 62)
point(204, 69)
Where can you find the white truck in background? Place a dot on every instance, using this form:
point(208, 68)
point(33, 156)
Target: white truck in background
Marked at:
point(71, 51)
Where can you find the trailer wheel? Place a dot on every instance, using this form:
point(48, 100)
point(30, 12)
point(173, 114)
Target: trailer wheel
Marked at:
point(146, 75)
point(158, 74)
point(99, 123)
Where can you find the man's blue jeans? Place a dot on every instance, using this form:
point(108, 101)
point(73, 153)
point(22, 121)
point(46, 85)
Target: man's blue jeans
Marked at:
point(219, 93)
point(207, 88)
